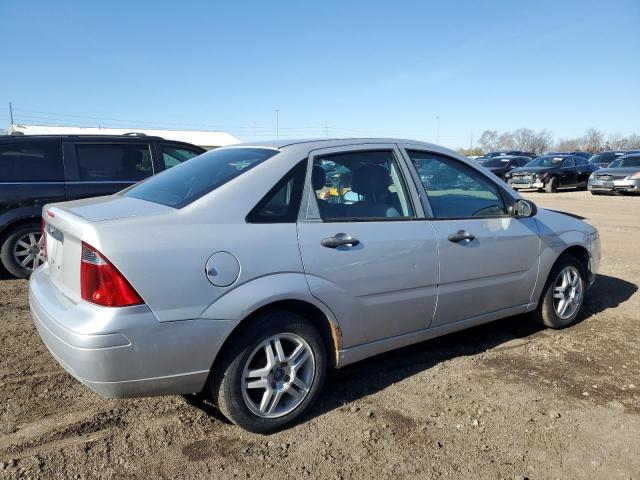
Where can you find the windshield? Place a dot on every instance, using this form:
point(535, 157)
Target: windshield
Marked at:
point(606, 157)
point(493, 154)
point(626, 162)
point(546, 161)
point(496, 162)
point(185, 183)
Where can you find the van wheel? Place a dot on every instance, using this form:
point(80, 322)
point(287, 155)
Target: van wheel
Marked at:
point(22, 250)
point(563, 297)
point(552, 185)
point(272, 372)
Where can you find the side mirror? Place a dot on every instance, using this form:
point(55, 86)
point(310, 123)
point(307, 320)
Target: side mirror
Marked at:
point(524, 208)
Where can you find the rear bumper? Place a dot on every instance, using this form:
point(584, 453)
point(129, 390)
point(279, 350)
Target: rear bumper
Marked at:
point(632, 186)
point(124, 352)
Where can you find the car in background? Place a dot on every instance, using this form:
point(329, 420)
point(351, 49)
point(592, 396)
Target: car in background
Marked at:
point(277, 284)
point(39, 169)
point(622, 175)
point(502, 165)
point(550, 172)
point(604, 159)
point(507, 152)
point(577, 153)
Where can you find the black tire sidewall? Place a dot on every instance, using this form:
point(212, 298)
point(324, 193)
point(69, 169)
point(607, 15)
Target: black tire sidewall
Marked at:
point(551, 185)
point(6, 252)
point(548, 315)
point(226, 380)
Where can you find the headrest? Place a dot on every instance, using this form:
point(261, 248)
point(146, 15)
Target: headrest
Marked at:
point(370, 179)
point(318, 177)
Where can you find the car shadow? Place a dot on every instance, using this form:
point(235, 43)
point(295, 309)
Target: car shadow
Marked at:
point(374, 374)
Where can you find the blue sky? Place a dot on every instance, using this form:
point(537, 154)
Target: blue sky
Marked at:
point(376, 68)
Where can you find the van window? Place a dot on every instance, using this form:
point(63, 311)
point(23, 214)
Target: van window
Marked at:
point(116, 162)
point(34, 161)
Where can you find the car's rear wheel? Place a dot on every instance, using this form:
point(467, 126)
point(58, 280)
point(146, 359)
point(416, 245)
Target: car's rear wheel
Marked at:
point(564, 293)
point(552, 185)
point(271, 373)
point(22, 250)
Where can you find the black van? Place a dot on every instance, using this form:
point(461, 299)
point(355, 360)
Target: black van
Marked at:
point(35, 170)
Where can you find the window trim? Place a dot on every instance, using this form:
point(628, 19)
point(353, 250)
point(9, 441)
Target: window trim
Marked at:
point(507, 200)
point(309, 211)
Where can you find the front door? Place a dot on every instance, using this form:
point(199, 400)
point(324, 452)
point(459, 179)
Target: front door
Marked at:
point(367, 253)
point(488, 259)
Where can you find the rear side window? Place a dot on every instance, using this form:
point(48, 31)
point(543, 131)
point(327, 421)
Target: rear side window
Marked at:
point(282, 203)
point(185, 183)
point(31, 162)
point(172, 156)
point(114, 162)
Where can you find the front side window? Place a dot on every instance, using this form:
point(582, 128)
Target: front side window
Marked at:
point(456, 190)
point(31, 162)
point(568, 163)
point(172, 156)
point(185, 183)
point(361, 185)
point(114, 162)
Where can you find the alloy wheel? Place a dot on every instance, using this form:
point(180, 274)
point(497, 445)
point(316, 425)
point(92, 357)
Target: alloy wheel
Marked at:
point(278, 375)
point(28, 251)
point(567, 292)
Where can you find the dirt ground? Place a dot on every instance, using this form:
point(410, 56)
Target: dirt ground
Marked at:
point(504, 400)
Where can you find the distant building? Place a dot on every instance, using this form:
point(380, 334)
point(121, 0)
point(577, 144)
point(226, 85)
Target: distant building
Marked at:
point(203, 139)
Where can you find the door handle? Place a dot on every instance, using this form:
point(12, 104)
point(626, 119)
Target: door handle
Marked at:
point(340, 239)
point(460, 236)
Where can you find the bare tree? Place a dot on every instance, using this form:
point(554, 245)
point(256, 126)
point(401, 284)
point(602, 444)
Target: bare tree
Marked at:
point(568, 144)
point(543, 141)
point(633, 141)
point(593, 140)
point(489, 141)
point(506, 142)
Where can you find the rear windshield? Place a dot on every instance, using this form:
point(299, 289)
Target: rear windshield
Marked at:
point(185, 183)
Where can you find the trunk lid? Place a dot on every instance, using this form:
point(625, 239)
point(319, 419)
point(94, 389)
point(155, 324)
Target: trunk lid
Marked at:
point(68, 224)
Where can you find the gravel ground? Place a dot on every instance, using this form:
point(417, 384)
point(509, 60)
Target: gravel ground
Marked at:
point(504, 400)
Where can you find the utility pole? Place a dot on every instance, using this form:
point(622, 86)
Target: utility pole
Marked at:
point(277, 123)
point(11, 112)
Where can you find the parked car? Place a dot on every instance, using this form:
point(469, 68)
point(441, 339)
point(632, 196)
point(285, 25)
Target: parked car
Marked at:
point(510, 152)
point(577, 153)
point(35, 170)
point(502, 165)
point(233, 275)
point(604, 159)
point(550, 172)
point(622, 175)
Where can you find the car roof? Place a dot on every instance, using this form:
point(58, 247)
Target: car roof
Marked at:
point(326, 142)
point(84, 137)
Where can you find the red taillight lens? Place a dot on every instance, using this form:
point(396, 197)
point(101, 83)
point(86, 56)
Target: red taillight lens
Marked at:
point(44, 238)
point(101, 283)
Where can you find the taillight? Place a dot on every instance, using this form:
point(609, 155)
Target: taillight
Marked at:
point(101, 283)
point(44, 238)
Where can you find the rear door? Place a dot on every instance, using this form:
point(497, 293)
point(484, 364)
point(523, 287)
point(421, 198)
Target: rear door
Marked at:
point(103, 168)
point(582, 171)
point(366, 254)
point(488, 260)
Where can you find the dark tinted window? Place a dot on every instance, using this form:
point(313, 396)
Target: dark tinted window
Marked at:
point(568, 163)
point(360, 185)
point(191, 180)
point(626, 162)
point(456, 190)
point(31, 162)
point(172, 156)
point(114, 162)
point(497, 162)
point(579, 162)
point(605, 157)
point(282, 202)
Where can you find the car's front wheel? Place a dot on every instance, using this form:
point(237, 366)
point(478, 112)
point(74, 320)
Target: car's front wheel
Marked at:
point(552, 185)
point(564, 293)
point(22, 250)
point(271, 373)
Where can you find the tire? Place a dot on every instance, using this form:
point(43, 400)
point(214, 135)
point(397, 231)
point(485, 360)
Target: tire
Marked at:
point(551, 186)
point(595, 193)
point(249, 408)
point(547, 311)
point(18, 247)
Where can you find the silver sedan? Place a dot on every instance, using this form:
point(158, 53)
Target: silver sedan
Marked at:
point(622, 175)
point(247, 271)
